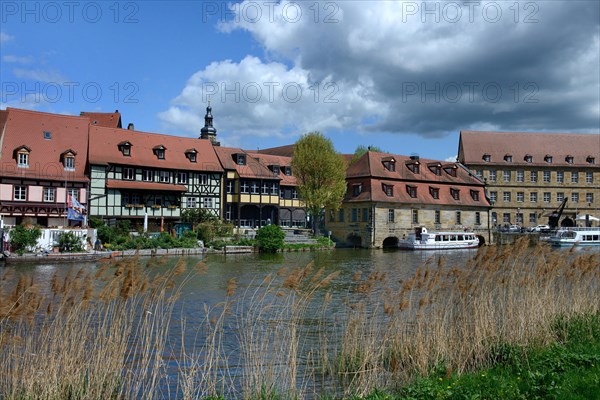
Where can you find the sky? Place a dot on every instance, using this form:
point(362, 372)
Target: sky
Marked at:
point(404, 76)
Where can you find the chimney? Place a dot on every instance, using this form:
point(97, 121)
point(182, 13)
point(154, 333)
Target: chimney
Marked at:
point(131, 127)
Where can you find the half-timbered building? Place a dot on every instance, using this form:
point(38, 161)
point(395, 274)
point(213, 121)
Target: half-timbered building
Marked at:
point(134, 174)
point(42, 161)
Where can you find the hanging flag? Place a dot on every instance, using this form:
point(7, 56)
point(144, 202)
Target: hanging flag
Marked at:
point(75, 211)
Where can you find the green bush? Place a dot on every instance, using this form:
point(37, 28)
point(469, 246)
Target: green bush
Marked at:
point(68, 242)
point(24, 239)
point(270, 238)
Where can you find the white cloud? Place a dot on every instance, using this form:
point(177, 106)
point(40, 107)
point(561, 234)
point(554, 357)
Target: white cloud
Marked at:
point(5, 37)
point(17, 59)
point(39, 75)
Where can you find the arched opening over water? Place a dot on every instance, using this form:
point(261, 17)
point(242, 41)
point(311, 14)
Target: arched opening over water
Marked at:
point(481, 240)
point(354, 240)
point(390, 242)
point(567, 222)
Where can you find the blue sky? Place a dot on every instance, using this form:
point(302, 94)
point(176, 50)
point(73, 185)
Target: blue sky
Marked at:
point(402, 75)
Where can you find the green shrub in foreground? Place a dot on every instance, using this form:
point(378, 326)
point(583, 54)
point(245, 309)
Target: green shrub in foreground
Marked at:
point(270, 238)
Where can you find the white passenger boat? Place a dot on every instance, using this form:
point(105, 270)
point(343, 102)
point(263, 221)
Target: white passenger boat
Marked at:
point(421, 239)
point(575, 236)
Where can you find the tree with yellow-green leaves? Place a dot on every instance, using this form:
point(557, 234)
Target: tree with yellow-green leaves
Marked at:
point(321, 174)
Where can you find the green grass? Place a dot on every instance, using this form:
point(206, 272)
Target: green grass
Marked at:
point(566, 370)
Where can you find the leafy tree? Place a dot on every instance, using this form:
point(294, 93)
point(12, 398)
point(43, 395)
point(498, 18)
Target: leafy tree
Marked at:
point(68, 242)
point(270, 238)
point(361, 150)
point(321, 174)
point(23, 238)
point(196, 216)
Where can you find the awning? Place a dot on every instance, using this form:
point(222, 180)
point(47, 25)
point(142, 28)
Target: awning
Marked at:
point(163, 187)
point(582, 217)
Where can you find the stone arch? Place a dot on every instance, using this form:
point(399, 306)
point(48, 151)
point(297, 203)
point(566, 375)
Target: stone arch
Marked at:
point(481, 240)
point(567, 222)
point(354, 240)
point(390, 242)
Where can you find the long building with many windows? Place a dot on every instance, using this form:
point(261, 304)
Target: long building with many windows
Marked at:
point(528, 175)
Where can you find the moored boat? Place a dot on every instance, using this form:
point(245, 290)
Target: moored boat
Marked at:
point(575, 236)
point(421, 239)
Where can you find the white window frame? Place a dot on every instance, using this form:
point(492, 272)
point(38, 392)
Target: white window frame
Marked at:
point(49, 195)
point(20, 193)
point(128, 174)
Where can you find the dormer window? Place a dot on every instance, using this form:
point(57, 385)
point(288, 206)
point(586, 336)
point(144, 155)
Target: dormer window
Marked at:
point(507, 158)
point(21, 154)
point(487, 158)
point(475, 195)
point(413, 166)
point(590, 160)
point(389, 163)
point(569, 159)
point(287, 171)
point(451, 169)
point(356, 189)
point(434, 192)
point(455, 193)
point(191, 154)
point(388, 189)
point(528, 158)
point(159, 151)
point(275, 169)
point(436, 168)
point(412, 191)
point(240, 159)
point(125, 148)
point(68, 160)
point(548, 159)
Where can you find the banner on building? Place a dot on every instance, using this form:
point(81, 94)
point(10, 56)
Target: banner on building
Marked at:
point(76, 211)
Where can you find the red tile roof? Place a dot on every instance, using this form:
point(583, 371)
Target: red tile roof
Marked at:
point(108, 120)
point(117, 184)
point(285, 151)
point(281, 161)
point(104, 149)
point(474, 144)
point(253, 169)
point(26, 128)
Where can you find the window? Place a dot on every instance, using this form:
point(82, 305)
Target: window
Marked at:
point(204, 179)
point(254, 187)
point(475, 195)
point(508, 158)
point(192, 155)
point(533, 176)
point(492, 176)
point(390, 165)
point(569, 159)
point(560, 176)
point(435, 192)
point(589, 197)
point(331, 216)
point(415, 216)
point(520, 197)
point(192, 202)
point(20, 192)
point(506, 196)
point(136, 199)
point(391, 215)
point(356, 189)
point(47, 135)
point(548, 159)
point(520, 176)
point(546, 176)
point(49, 195)
point(589, 177)
point(159, 151)
point(574, 177)
point(458, 218)
point(477, 218)
point(436, 169)
point(412, 191)
point(295, 194)
point(164, 176)
point(532, 218)
point(265, 188)
point(354, 214)
point(528, 158)
point(182, 177)
point(413, 167)
point(487, 158)
point(148, 175)
point(274, 189)
point(506, 176)
point(70, 163)
point(547, 197)
point(365, 214)
point(125, 199)
point(23, 160)
point(479, 173)
point(451, 170)
point(125, 148)
point(341, 215)
point(575, 197)
point(240, 159)
point(437, 217)
point(533, 197)
point(275, 170)
point(207, 202)
point(519, 218)
point(388, 190)
point(229, 187)
point(506, 217)
point(494, 217)
point(455, 193)
point(560, 196)
point(73, 193)
point(287, 171)
point(493, 197)
point(590, 160)
point(245, 188)
point(158, 200)
point(128, 174)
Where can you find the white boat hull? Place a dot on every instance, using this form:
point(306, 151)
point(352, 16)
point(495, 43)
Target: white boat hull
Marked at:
point(423, 240)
